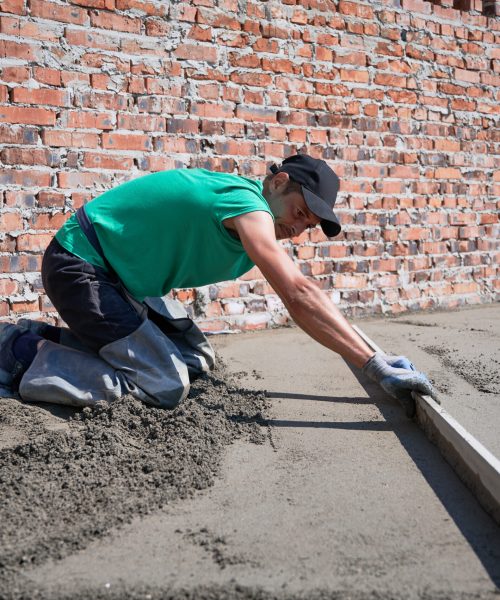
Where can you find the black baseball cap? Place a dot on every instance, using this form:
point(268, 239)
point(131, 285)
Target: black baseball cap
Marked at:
point(319, 187)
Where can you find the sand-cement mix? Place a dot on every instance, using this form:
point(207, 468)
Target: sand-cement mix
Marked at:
point(73, 482)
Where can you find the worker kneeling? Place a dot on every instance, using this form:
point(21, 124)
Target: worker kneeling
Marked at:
point(111, 266)
point(117, 346)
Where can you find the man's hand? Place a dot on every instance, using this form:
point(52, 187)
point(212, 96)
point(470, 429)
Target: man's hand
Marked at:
point(400, 362)
point(398, 381)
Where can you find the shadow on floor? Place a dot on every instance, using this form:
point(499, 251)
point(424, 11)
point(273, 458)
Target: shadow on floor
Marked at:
point(294, 396)
point(349, 425)
point(480, 531)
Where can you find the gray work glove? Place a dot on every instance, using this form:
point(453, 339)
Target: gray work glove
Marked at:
point(400, 362)
point(398, 377)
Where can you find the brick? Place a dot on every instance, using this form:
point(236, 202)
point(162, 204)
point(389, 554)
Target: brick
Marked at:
point(27, 116)
point(19, 199)
point(201, 34)
point(8, 287)
point(14, 74)
point(253, 79)
point(93, 160)
point(417, 6)
point(31, 30)
point(256, 114)
point(33, 242)
point(106, 4)
point(447, 173)
point(468, 76)
point(70, 139)
point(25, 178)
point(58, 12)
point(47, 96)
point(47, 76)
point(217, 111)
point(404, 172)
point(25, 156)
point(17, 7)
point(196, 52)
point(173, 144)
point(126, 141)
point(390, 80)
point(358, 76)
point(141, 122)
point(90, 39)
point(107, 20)
point(157, 27)
point(363, 11)
point(78, 179)
point(11, 222)
point(48, 221)
point(22, 51)
point(279, 65)
point(147, 7)
point(352, 58)
point(90, 120)
point(19, 306)
point(51, 199)
point(402, 96)
point(389, 49)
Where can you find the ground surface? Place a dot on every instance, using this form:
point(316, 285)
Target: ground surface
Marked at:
point(324, 490)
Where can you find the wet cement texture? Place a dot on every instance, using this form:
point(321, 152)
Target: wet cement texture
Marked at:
point(482, 373)
point(62, 488)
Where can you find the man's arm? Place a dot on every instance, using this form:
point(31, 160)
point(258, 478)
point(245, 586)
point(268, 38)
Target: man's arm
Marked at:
point(308, 306)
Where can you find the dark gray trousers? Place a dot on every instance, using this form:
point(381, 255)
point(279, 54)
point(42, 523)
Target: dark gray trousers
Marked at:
point(115, 345)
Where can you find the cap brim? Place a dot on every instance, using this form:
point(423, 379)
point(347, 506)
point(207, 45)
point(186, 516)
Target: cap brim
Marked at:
point(329, 222)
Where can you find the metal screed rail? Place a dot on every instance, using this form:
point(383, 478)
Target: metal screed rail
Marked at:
point(474, 464)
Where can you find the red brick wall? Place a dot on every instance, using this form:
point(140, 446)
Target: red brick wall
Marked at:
point(401, 97)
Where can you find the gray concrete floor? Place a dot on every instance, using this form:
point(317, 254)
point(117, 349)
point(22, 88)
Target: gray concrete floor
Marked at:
point(347, 494)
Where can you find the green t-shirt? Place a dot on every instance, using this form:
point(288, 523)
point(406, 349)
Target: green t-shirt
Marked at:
point(165, 230)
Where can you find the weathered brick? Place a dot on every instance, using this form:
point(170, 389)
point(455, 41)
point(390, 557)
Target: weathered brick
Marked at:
point(78, 179)
point(104, 4)
point(93, 160)
point(70, 139)
point(51, 199)
point(33, 242)
point(58, 12)
point(196, 52)
point(386, 79)
point(9, 49)
point(126, 141)
point(25, 156)
point(17, 7)
point(151, 8)
point(363, 11)
point(47, 96)
point(107, 20)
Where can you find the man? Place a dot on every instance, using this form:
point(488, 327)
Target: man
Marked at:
point(109, 269)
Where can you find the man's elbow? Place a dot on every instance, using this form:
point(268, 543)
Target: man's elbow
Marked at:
point(301, 293)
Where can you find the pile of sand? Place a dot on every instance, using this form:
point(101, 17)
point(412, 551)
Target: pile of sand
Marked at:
point(65, 486)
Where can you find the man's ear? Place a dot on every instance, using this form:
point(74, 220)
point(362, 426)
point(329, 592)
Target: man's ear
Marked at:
point(279, 181)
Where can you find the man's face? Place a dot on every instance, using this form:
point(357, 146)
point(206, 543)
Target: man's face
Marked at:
point(290, 211)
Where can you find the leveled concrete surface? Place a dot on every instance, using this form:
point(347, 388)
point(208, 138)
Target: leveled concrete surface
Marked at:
point(346, 494)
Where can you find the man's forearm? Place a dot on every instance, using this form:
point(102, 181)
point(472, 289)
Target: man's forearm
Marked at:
point(314, 312)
